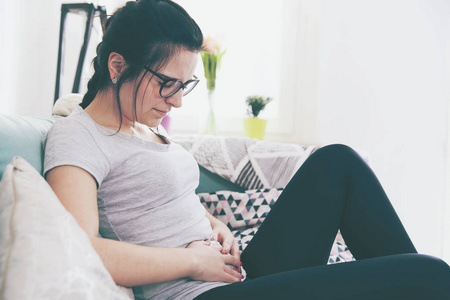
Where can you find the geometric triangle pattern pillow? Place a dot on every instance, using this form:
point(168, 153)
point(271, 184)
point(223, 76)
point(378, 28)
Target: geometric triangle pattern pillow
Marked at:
point(240, 210)
point(243, 237)
point(340, 252)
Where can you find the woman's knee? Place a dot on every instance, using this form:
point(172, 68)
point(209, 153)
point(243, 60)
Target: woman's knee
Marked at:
point(431, 265)
point(424, 271)
point(337, 153)
point(336, 150)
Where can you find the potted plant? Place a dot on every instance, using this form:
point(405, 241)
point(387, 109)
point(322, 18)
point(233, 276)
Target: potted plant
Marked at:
point(255, 127)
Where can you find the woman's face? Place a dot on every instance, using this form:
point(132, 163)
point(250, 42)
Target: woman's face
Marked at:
point(150, 106)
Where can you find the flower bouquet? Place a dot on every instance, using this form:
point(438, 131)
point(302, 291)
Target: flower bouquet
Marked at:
point(211, 58)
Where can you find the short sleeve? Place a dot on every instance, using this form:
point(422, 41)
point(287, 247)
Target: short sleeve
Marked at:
point(68, 142)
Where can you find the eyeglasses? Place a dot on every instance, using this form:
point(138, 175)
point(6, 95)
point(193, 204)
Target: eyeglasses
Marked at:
point(171, 86)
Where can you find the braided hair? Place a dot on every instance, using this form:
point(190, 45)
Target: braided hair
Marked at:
point(145, 33)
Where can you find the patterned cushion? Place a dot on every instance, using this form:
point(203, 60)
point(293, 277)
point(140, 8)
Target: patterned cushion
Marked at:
point(244, 237)
point(240, 210)
point(340, 252)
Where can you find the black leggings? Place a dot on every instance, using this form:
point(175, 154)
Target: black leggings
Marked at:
point(287, 258)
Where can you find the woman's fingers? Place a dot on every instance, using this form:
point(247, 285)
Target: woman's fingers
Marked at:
point(234, 274)
point(226, 249)
point(232, 248)
point(232, 260)
point(231, 279)
point(227, 244)
point(235, 250)
point(216, 246)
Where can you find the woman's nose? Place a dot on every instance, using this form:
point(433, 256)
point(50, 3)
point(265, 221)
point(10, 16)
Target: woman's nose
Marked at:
point(176, 99)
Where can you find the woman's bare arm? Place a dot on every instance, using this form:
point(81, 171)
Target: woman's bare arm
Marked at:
point(129, 264)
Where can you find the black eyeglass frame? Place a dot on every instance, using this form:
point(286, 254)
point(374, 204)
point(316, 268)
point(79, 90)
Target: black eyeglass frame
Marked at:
point(182, 86)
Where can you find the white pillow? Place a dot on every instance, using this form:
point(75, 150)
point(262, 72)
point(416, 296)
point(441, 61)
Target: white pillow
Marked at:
point(44, 254)
point(65, 105)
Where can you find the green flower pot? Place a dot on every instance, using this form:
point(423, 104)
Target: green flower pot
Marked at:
point(255, 127)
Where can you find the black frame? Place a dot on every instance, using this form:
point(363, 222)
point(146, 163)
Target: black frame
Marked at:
point(79, 8)
point(167, 79)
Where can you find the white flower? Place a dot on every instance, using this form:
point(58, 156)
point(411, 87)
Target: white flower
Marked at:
point(213, 44)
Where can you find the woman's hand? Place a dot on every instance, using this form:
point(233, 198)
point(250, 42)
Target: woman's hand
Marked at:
point(223, 235)
point(211, 265)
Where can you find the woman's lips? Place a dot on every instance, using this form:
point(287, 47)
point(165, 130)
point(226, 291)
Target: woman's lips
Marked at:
point(161, 112)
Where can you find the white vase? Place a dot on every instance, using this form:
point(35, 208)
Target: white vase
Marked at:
point(210, 127)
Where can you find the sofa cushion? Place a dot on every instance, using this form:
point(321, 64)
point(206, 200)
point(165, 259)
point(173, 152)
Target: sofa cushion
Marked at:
point(240, 210)
point(22, 136)
point(44, 254)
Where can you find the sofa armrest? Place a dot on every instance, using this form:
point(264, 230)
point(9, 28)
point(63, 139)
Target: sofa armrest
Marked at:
point(210, 182)
point(22, 136)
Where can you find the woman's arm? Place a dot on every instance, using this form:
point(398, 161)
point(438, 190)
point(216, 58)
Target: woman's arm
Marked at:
point(129, 264)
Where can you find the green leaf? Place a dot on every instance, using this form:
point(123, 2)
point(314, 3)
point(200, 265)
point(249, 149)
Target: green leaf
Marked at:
point(211, 63)
point(256, 104)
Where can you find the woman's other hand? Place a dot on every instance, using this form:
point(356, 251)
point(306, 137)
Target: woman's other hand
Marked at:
point(211, 265)
point(223, 235)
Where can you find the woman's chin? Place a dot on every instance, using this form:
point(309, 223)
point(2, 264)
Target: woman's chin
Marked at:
point(150, 120)
point(153, 123)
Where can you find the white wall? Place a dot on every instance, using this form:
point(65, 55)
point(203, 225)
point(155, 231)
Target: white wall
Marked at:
point(375, 75)
point(382, 88)
point(31, 52)
point(29, 49)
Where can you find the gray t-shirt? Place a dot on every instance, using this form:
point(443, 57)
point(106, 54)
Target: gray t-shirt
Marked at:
point(146, 191)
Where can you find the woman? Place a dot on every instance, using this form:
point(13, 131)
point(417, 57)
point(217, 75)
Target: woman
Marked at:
point(113, 168)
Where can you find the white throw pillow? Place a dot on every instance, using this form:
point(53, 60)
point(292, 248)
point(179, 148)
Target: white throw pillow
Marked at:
point(65, 105)
point(44, 254)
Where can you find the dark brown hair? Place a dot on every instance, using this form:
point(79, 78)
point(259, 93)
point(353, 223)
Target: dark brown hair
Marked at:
point(146, 33)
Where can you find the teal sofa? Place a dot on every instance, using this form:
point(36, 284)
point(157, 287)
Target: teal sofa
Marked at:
point(22, 136)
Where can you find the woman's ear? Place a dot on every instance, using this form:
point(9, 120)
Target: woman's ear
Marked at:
point(116, 65)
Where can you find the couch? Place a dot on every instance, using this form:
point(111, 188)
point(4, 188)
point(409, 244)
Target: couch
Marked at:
point(22, 200)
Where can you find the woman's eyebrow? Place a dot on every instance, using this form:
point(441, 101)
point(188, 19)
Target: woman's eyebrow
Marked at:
point(168, 77)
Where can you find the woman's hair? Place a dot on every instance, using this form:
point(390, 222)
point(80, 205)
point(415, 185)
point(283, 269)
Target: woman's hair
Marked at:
point(146, 33)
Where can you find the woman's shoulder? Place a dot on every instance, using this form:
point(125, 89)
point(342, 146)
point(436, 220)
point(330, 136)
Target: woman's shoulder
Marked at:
point(70, 141)
point(75, 123)
point(73, 131)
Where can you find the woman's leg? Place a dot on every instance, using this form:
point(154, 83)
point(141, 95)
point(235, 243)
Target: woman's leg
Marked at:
point(401, 276)
point(287, 258)
point(333, 189)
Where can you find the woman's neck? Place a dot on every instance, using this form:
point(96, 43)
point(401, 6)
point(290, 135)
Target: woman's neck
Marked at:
point(104, 112)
